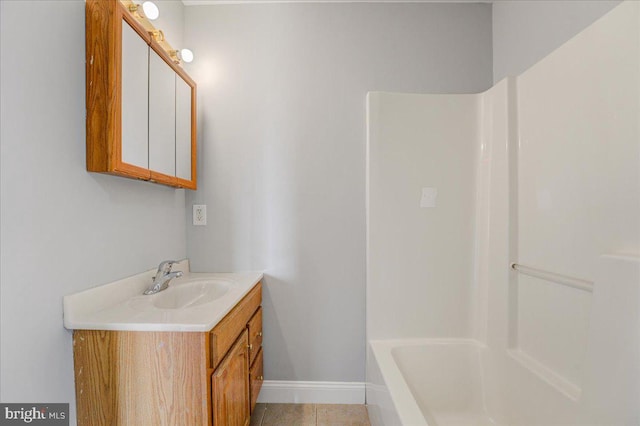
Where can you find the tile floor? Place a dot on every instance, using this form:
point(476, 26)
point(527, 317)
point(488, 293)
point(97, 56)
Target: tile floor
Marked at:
point(309, 415)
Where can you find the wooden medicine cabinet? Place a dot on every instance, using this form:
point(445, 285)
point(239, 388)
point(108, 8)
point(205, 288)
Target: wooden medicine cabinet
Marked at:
point(141, 105)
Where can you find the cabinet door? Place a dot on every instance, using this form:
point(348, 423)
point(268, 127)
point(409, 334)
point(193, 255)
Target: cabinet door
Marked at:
point(230, 386)
point(162, 116)
point(135, 98)
point(183, 129)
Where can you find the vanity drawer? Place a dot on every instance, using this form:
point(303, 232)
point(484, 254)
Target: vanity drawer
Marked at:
point(255, 335)
point(227, 331)
point(256, 378)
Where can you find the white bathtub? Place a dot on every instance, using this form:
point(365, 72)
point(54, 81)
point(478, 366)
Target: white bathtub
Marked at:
point(462, 382)
point(421, 382)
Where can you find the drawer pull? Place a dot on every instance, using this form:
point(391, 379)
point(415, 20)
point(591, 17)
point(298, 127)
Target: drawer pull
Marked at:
point(259, 334)
point(260, 378)
point(250, 346)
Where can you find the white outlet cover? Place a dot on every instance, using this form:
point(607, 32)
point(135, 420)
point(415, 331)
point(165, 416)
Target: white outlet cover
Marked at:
point(428, 199)
point(199, 214)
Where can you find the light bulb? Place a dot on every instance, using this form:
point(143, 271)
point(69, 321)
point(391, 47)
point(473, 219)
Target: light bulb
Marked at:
point(150, 10)
point(186, 55)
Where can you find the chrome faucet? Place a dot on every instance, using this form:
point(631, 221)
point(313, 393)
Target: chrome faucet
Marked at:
point(163, 276)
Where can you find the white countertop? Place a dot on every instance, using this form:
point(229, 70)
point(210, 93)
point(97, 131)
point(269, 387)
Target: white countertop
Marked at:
point(121, 306)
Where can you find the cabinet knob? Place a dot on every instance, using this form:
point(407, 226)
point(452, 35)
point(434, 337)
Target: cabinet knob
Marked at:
point(259, 334)
point(250, 346)
point(261, 378)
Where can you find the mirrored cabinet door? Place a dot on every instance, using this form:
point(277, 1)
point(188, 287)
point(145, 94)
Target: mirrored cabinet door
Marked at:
point(162, 119)
point(183, 129)
point(135, 98)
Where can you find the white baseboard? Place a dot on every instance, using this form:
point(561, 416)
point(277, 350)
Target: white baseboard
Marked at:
point(281, 391)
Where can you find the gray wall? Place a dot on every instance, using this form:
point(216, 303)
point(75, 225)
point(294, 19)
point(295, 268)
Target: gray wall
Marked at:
point(282, 158)
point(63, 229)
point(526, 31)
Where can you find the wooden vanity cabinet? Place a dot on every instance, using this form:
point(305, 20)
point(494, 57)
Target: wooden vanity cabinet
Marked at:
point(141, 105)
point(244, 320)
point(168, 378)
point(240, 362)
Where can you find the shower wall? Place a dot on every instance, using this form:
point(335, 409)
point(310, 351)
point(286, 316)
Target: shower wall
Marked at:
point(546, 171)
point(420, 256)
point(579, 150)
point(578, 194)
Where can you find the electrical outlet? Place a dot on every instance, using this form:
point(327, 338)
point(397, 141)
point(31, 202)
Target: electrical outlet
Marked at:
point(199, 214)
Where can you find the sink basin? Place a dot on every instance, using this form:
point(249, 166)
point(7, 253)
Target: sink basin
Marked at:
point(190, 294)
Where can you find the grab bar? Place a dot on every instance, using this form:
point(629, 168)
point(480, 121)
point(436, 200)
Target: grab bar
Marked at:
point(572, 282)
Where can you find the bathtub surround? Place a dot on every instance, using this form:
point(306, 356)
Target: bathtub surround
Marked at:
point(418, 141)
point(557, 192)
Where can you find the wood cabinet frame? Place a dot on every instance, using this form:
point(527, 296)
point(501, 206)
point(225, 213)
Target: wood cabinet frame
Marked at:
point(104, 20)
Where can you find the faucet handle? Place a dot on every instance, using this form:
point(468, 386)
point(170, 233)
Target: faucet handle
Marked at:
point(165, 266)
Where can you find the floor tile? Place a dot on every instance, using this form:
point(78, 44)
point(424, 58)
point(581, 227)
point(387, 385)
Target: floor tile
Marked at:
point(290, 415)
point(258, 414)
point(342, 415)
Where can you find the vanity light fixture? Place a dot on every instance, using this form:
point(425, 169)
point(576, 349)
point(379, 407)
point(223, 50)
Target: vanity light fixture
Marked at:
point(182, 55)
point(186, 55)
point(144, 12)
point(157, 35)
point(149, 10)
